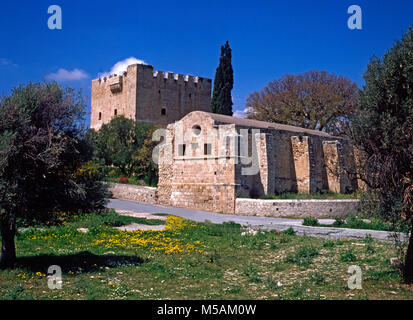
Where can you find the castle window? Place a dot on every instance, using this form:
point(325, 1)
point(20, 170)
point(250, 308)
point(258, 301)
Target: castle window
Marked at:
point(100, 115)
point(116, 112)
point(181, 150)
point(190, 95)
point(196, 130)
point(207, 149)
point(163, 111)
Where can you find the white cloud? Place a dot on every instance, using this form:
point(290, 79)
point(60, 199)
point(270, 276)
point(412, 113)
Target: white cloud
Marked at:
point(121, 66)
point(240, 113)
point(7, 62)
point(66, 75)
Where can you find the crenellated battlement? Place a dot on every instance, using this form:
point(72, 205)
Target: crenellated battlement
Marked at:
point(157, 75)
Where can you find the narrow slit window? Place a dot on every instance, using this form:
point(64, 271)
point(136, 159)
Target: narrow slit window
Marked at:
point(207, 149)
point(181, 150)
point(116, 112)
point(163, 111)
point(100, 115)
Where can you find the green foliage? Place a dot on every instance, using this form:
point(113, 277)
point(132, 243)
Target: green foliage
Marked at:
point(222, 269)
point(43, 157)
point(348, 256)
point(328, 244)
point(42, 151)
point(316, 278)
point(223, 83)
point(131, 180)
point(339, 221)
point(356, 222)
point(125, 147)
point(311, 221)
point(383, 131)
point(251, 272)
point(288, 232)
point(110, 219)
point(271, 283)
point(303, 256)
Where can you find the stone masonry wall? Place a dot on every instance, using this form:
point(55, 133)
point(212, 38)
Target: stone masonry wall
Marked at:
point(196, 179)
point(209, 169)
point(144, 95)
point(296, 208)
point(331, 154)
point(132, 192)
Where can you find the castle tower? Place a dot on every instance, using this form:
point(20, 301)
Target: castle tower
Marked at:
point(147, 96)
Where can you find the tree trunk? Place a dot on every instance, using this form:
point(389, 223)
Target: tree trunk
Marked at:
point(8, 249)
point(408, 263)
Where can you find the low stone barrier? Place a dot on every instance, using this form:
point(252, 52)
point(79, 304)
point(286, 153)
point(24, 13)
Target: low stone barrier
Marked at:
point(133, 192)
point(296, 208)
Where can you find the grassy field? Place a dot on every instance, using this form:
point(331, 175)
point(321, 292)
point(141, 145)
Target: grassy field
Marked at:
point(357, 222)
point(190, 260)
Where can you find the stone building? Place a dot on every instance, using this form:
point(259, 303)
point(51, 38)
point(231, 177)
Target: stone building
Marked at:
point(208, 160)
point(144, 95)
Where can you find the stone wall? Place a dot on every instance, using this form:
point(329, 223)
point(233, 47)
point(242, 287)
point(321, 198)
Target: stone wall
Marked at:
point(144, 95)
point(132, 192)
point(295, 208)
point(203, 176)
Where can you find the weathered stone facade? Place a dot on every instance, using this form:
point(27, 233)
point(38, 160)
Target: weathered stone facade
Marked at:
point(319, 209)
point(147, 96)
point(132, 192)
point(208, 160)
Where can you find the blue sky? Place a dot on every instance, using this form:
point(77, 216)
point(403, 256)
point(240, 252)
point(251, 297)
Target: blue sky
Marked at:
point(269, 38)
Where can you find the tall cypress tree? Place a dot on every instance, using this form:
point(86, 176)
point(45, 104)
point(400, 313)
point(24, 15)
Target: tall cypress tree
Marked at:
point(223, 83)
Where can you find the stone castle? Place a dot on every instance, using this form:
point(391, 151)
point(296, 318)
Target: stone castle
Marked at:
point(206, 160)
point(147, 96)
point(203, 164)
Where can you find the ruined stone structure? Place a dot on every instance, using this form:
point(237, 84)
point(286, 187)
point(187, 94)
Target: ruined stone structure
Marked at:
point(208, 160)
point(144, 95)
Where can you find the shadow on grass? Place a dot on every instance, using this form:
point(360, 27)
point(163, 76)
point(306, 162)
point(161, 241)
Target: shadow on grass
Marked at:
point(84, 261)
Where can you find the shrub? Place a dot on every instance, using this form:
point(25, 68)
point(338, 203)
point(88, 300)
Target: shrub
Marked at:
point(123, 180)
point(310, 221)
point(289, 231)
point(348, 256)
point(339, 222)
point(113, 173)
point(328, 244)
point(303, 257)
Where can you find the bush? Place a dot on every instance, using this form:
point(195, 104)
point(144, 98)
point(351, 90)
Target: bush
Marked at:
point(348, 256)
point(310, 221)
point(289, 231)
point(123, 180)
point(113, 173)
point(303, 257)
point(95, 193)
point(339, 222)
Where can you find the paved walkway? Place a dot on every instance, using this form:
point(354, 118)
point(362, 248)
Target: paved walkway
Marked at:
point(278, 224)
